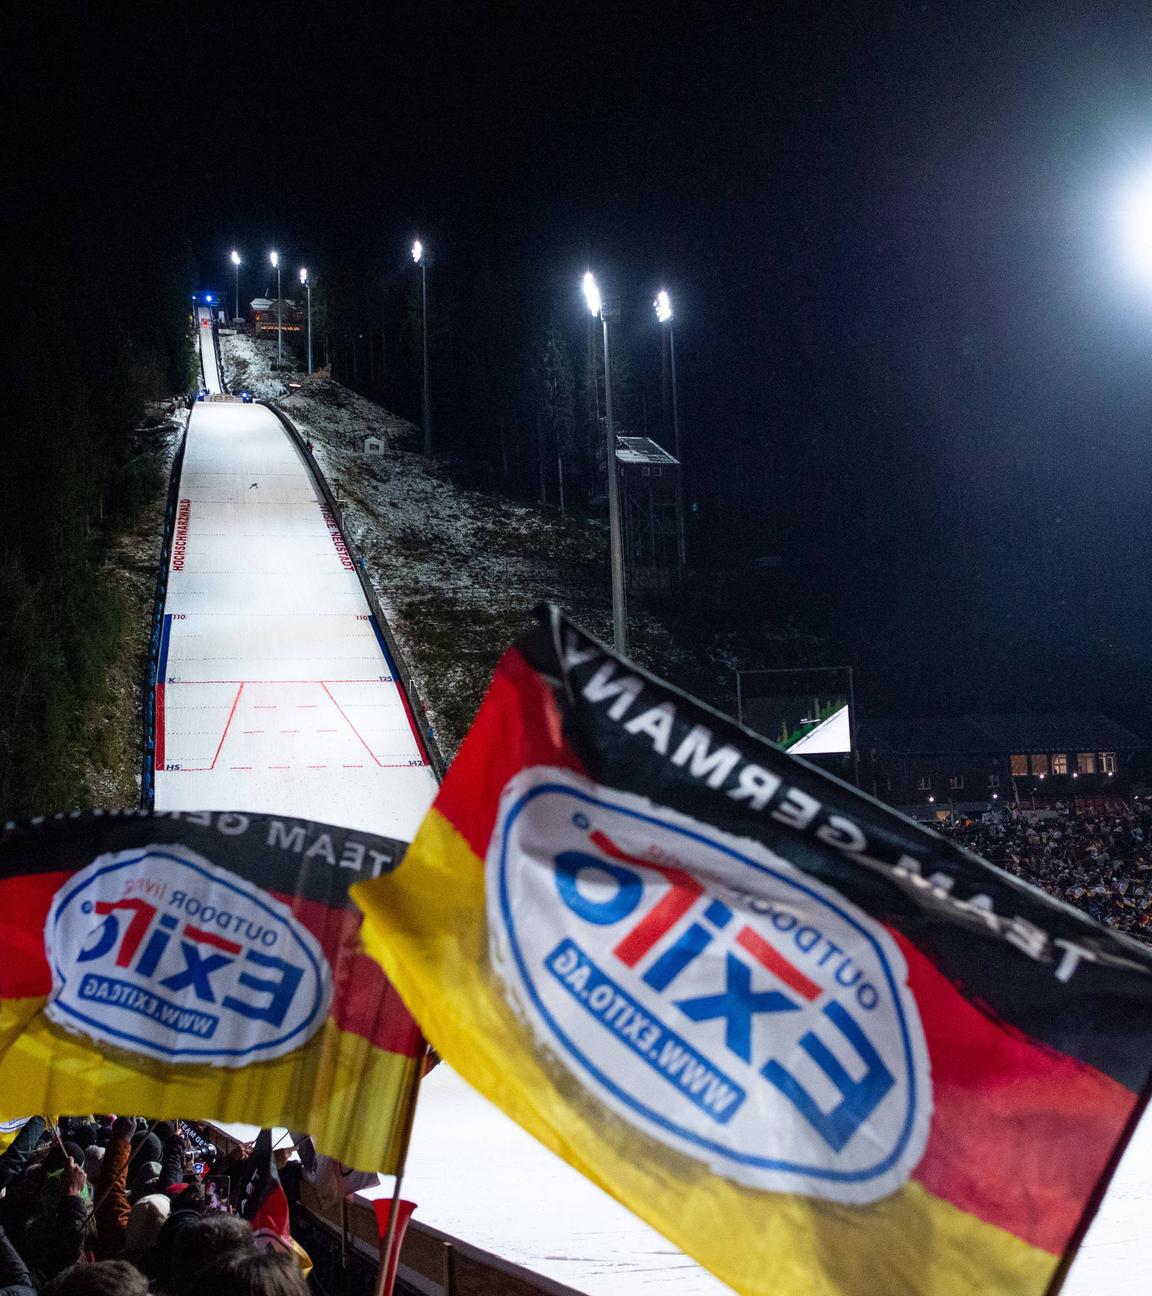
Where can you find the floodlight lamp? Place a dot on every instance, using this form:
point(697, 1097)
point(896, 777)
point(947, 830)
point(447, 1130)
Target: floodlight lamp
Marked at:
point(592, 293)
point(207, 297)
point(417, 251)
point(235, 257)
point(1135, 223)
point(303, 274)
point(274, 257)
point(663, 307)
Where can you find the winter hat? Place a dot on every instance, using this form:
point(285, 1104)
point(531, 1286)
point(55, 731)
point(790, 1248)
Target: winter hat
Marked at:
point(145, 1180)
point(85, 1133)
point(148, 1149)
point(93, 1157)
point(145, 1222)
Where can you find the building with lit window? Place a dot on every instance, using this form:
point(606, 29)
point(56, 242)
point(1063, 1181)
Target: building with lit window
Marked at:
point(262, 311)
point(967, 763)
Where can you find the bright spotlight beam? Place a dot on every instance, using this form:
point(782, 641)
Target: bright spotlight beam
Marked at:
point(663, 306)
point(592, 293)
point(1135, 215)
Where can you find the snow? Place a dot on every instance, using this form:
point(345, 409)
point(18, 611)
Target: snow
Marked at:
point(478, 1176)
point(207, 350)
point(274, 695)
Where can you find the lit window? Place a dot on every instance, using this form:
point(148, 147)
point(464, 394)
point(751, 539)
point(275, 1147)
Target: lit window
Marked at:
point(1019, 765)
point(1060, 763)
point(993, 780)
point(1086, 762)
point(956, 782)
point(925, 783)
point(1107, 762)
point(1040, 763)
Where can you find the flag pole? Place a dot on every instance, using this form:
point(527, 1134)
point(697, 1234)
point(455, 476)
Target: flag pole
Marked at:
point(402, 1160)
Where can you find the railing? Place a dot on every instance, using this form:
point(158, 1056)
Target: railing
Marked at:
point(219, 358)
point(148, 757)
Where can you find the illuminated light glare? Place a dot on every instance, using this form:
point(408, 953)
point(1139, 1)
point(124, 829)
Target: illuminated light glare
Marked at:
point(274, 257)
point(592, 293)
point(931, 799)
point(235, 257)
point(303, 274)
point(207, 297)
point(995, 796)
point(1135, 220)
point(663, 307)
point(417, 251)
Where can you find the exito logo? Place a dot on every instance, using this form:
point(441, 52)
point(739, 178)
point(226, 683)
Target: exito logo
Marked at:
point(162, 953)
point(712, 994)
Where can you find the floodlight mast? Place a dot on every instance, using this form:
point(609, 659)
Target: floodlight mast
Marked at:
point(236, 267)
point(308, 292)
point(663, 305)
point(275, 259)
point(615, 538)
point(426, 406)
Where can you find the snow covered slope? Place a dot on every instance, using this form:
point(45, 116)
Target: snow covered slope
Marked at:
point(208, 350)
point(275, 691)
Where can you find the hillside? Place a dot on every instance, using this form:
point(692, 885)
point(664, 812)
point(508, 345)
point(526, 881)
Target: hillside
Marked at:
point(458, 570)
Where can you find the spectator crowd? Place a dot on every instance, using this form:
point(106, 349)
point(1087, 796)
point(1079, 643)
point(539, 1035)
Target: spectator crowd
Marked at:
point(103, 1206)
point(1099, 863)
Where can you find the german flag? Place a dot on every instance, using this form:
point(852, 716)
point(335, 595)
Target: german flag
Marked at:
point(817, 1046)
point(201, 963)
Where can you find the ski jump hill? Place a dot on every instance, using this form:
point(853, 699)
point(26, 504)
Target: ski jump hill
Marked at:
point(276, 691)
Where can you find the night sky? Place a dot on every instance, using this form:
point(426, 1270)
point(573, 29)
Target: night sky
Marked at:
point(915, 362)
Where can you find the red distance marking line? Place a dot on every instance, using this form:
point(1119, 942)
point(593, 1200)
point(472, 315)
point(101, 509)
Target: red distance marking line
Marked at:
point(351, 726)
point(227, 726)
point(684, 894)
point(159, 764)
point(767, 957)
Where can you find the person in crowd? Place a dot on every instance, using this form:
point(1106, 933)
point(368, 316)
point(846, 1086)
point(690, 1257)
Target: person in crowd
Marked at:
point(201, 1243)
point(102, 1278)
point(254, 1273)
point(1100, 863)
point(15, 1280)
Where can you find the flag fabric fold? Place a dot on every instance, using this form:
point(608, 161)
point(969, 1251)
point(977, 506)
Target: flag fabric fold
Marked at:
point(823, 1050)
point(207, 964)
point(263, 1202)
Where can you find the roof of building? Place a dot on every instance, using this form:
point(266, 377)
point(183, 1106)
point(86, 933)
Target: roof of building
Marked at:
point(641, 450)
point(1012, 732)
point(1074, 730)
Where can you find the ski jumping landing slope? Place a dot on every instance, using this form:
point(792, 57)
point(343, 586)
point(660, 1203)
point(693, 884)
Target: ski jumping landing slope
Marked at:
point(275, 691)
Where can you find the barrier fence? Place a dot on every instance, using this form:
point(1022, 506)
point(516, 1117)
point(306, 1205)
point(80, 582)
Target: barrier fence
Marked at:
point(148, 756)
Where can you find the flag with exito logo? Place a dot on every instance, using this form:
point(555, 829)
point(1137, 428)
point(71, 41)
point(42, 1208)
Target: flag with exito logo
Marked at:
point(817, 1046)
point(207, 965)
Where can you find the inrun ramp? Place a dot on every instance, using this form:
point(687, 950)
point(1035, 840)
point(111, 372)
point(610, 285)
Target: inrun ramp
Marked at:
point(275, 689)
point(207, 344)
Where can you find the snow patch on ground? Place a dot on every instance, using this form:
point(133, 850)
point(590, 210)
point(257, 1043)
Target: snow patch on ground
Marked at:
point(248, 364)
